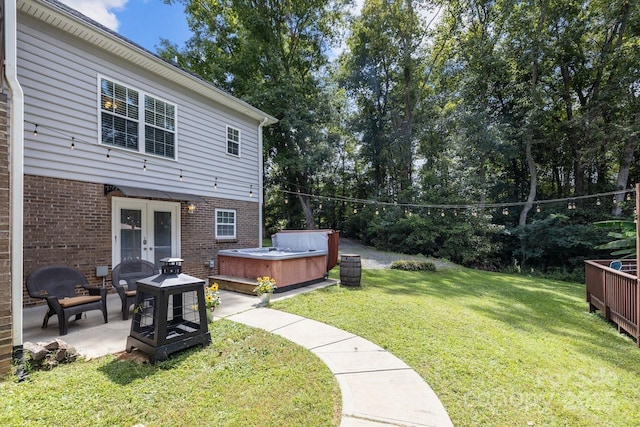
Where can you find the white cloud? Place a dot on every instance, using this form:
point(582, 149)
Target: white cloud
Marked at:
point(99, 10)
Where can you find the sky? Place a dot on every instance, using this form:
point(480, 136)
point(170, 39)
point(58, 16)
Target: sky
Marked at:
point(144, 22)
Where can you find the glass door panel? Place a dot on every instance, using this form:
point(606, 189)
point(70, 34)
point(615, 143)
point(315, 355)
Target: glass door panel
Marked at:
point(130, 234)
point(144, 229)
point(162, 231)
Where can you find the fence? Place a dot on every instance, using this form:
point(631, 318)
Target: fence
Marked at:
point(615, 293)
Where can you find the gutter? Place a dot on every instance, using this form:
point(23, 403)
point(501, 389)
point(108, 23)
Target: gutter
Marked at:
point(260, 180)
point(16, 160)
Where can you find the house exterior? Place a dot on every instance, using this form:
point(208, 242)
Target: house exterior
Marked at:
point(126, 155)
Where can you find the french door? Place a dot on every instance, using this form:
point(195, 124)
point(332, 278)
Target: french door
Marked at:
point(145, 229)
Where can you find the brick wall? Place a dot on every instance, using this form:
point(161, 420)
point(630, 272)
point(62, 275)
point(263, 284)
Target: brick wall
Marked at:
point(6, 342)
point(199, 242)
point(69, 222)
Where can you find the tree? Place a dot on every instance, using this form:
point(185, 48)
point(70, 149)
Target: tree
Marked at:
point(272, 54)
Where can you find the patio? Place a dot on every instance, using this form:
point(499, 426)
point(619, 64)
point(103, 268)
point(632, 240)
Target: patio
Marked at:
point(366, 373)
point(92, 338)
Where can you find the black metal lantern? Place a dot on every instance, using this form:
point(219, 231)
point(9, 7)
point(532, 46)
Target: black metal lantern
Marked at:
point(169, 313)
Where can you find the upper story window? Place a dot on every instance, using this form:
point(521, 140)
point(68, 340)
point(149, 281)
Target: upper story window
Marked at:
point(225, 224)
point(233, 141)
point(124, 124)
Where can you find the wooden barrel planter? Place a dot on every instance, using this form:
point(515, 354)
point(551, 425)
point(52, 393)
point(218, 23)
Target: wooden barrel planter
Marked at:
point(350, 270)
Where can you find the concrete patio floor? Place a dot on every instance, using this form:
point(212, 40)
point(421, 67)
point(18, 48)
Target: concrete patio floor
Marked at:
point(377, 388)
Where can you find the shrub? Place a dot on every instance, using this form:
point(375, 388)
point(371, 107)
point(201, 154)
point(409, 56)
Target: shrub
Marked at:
point(413, 265)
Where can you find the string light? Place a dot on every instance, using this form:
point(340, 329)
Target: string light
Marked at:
point(180, 175)
point(598, 203)
point(251, 190)
point(538, 208)
point(505, 206)
point(215, 183)
point(35, 130)
point(73, 142)
point(144, 167)
point(109, 154)
point(355, 210)
point(377, 212)
point(442, 213)
point(505, 211)
point(628, 197)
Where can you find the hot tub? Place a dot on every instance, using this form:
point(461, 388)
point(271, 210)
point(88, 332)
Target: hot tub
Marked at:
point(290, 268)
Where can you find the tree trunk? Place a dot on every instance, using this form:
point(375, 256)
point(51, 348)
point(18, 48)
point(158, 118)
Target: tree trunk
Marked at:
point(623, 174)
point(533, 182)
point(305, 202)
point(531, 164)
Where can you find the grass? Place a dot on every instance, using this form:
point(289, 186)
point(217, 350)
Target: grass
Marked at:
point(497, 349)
point(246, 377)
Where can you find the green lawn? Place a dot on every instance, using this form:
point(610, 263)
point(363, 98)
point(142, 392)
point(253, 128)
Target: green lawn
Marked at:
point(497, 349)
point(247, 377)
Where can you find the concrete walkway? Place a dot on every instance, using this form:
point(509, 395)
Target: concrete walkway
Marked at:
point(377, 388)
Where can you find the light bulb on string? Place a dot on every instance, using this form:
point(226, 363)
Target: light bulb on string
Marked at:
point(428, 211)
point(251, 190)
point(377, 212)
point(320, 206)
point(442, 213)
point(180, 178)
point(505, 211)
point(35, 130)
point(73, 142)
point(109, 154)
point(355, 210)
point(144, 167)
point(614, 200)
point(215, 183)
point(538, 208)
point(598, 203)
point(628, 197)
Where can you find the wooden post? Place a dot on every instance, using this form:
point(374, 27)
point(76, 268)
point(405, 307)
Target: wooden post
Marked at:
point(637, 212)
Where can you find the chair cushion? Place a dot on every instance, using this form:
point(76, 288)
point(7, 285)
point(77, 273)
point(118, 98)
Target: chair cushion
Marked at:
point(81, 299)
point(130, 293)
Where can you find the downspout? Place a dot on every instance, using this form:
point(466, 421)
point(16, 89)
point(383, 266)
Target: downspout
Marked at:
point(16, 160)
point(260, 180)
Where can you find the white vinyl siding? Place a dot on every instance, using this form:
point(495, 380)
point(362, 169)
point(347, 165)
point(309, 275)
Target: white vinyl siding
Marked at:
point(61, 74)
point(120, 121)
point(225, 224)
point(233, 141)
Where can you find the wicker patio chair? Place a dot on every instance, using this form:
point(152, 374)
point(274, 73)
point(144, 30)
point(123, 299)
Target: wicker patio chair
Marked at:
point(57, 284)
point(124, 277)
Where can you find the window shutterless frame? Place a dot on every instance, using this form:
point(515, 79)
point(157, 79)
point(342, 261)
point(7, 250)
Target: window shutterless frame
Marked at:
point(233, 141)
point(225, 224)
point(133, 120)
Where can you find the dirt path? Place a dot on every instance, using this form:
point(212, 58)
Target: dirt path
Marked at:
point(375, 259)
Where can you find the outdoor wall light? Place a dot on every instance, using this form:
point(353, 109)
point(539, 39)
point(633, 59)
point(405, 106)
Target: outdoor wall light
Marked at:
point(191, 208)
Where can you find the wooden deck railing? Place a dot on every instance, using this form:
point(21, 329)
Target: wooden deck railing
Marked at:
point(615, 293)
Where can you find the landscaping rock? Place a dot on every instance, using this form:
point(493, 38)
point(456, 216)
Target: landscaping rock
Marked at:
point(47, 355)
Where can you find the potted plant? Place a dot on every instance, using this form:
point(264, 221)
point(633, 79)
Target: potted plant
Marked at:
point(266, 286)
point(211, 299)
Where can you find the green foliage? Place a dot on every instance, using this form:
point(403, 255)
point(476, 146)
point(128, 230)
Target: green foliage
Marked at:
point(408, 265)
point(463, 239)
point(624, 245)
point(554, 243)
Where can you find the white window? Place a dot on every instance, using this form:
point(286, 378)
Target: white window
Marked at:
point(124, 124)
point(233, 141)
point(225, 224)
